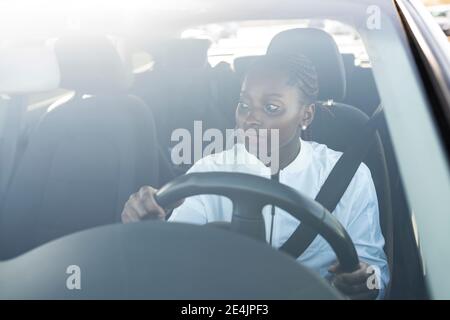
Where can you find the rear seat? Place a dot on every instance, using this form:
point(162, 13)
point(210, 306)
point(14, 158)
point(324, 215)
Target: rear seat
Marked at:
point(241, 65)
point(361, 88)
point(183, 88)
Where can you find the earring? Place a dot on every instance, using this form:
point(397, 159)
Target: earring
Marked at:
point(304, 127)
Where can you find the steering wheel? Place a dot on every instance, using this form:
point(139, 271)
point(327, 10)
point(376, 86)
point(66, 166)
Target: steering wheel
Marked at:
point(249, 194)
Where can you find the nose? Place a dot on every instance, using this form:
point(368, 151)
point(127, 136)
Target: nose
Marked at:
point(253, 121)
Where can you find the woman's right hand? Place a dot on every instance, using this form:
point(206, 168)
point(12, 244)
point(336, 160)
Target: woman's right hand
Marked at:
point(142, 205)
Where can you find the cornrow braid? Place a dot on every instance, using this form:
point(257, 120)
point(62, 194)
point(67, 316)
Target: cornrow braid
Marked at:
point(299, 70)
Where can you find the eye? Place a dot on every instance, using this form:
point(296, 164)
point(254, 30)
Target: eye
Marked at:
point(243, 106)
point(271, 108)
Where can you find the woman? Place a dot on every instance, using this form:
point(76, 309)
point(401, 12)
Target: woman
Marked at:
point(279, 92)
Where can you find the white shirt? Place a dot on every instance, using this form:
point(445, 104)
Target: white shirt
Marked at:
point(357, 211)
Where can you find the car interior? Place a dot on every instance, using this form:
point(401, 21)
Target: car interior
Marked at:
point(109, 130)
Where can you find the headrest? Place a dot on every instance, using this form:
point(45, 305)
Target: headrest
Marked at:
point(183, 53)
point(348, 59)
point(28, 69)
point(91, 65)
point(321, 49)
point(241, 65)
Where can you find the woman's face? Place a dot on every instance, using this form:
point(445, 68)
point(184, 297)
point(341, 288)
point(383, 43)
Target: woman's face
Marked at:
point(267, 101)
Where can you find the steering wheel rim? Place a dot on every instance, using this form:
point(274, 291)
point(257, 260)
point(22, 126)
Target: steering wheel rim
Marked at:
point(249, 194)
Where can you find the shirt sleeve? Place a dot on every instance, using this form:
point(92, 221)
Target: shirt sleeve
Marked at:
point(365, 231)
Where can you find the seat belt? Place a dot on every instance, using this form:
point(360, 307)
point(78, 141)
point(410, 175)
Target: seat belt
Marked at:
point(336, 183)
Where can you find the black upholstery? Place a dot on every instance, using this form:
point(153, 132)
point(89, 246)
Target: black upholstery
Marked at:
point(82, 162)
point(349, 62)
point(225, 88)
point(183, 83)
point(336, 124)
point(241, 65)
point(361, 88)
point(182, 53)
point(183, 88)
point(91, 65)
point(323, 52)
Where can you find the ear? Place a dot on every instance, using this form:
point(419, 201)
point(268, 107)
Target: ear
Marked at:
point(308, 114)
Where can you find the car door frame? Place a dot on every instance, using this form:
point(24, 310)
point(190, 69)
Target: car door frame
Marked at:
point(428, 197)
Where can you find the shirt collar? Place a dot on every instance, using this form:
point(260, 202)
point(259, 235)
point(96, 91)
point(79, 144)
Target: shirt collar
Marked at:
point(301, 162)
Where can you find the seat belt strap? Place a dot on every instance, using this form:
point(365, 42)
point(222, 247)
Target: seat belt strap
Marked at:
point(336, 183)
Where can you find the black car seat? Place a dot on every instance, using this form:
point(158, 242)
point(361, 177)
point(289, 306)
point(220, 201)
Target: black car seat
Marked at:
point(337, 124)
point(225, 90)
point(24, 70)
point(241, 65)
point(361, 88)
point(183, 88)
point(85, 157)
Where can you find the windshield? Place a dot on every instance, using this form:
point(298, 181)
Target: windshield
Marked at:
point(170, 112)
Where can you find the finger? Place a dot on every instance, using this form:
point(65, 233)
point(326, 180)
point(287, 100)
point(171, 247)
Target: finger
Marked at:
point(156, 210)
point(124, 217)
point(146, 191)
point(356, 277)
point(147, 198)
point(334, 267)
point(342, 286)
point(136, 204)
point(129, 214)
point(352, 289)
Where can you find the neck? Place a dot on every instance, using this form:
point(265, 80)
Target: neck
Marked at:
point(289, 152)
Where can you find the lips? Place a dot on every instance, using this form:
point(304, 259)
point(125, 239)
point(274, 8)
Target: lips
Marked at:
point(258, 133)
point(255, 141)
point(255, 136)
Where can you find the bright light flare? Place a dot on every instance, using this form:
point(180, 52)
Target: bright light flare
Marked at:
point(43, 18)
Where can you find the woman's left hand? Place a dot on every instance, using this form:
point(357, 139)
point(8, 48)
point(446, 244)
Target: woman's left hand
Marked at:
point(356, 285)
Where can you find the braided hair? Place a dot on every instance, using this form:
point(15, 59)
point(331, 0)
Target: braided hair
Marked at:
point(300, 73)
